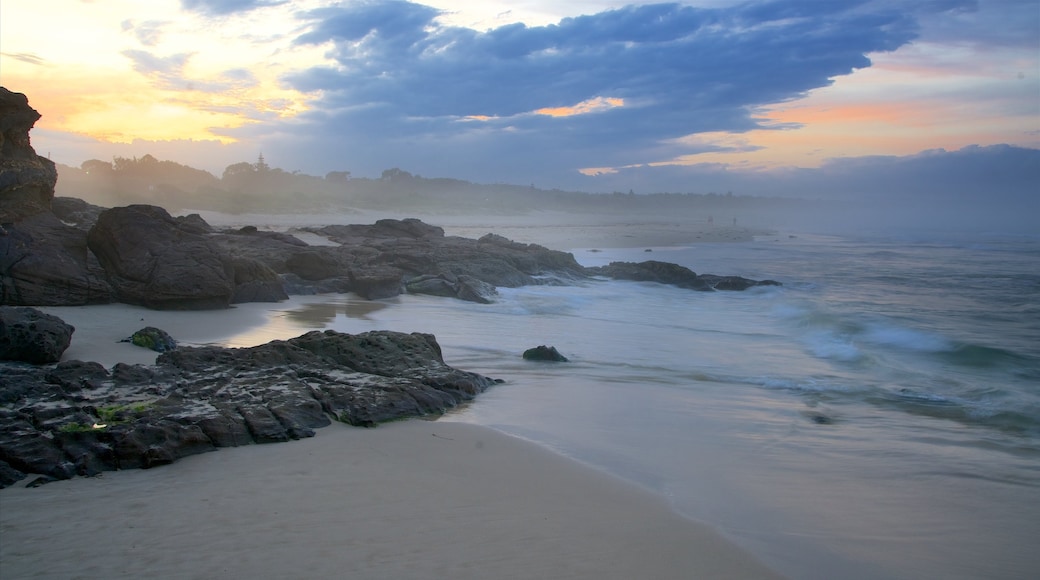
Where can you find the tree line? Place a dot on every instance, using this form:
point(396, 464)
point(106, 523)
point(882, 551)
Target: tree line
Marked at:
point(259, 188)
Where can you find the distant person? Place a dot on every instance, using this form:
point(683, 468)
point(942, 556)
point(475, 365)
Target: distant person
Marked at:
point(734, 221)
point(711, 220)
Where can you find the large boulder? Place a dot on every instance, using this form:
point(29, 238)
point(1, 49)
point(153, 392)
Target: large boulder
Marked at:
point(544, 353)
point(255, 282)
point(78, 418)
point(157, 261)
point(28, 335)
point(26, 179)
point(44, 262)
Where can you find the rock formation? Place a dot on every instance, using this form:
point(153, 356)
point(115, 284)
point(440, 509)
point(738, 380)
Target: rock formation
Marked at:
point(78, 418)
point(43, 262)
point(154, 260)
point(26, 179)
point(544, 353)
point(675, 275)
point(28, 335)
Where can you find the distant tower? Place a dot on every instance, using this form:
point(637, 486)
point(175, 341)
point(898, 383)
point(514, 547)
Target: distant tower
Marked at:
point(260, 165)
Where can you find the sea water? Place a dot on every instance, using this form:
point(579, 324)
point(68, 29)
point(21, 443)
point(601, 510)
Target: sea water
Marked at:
point(877, 416)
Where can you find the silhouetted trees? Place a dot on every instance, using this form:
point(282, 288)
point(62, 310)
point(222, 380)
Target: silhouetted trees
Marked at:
point(258, 187)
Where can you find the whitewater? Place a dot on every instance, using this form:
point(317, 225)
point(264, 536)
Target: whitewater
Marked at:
point(877, 416)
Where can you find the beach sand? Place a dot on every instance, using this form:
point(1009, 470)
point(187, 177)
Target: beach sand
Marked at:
point(410, 499)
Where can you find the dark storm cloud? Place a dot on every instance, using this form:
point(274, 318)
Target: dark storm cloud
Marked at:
point(663, 57)
point(401, 82)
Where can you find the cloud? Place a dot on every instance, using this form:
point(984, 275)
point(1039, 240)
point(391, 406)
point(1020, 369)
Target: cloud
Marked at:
point(400, 82)
point(997, 174)
point(225, 7)
point(148, 33)
point(27, 58)
point(168, 73)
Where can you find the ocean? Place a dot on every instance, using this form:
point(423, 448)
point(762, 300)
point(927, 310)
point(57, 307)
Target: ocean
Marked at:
point(877, 416)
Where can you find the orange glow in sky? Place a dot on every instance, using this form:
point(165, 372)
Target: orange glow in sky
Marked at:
point(124, 70)
point(593, 105)
point(77, 70)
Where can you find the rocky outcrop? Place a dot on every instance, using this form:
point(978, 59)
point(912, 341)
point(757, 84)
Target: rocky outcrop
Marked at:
point(76, 212)
point(156, 261)
point(26, 179)
point(67, 252)
point(44, 262)
point(28, 335)
point(675, 275)
point(462, 287)
point(255, 282)
point(78, 418)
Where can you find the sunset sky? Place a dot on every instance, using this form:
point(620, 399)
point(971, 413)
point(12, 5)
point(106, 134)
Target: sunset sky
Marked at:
point(596, 95)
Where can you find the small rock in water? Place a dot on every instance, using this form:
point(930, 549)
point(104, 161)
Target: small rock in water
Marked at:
point(152, 338)
point(544, 353)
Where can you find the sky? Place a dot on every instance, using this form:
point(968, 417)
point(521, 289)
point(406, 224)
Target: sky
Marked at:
point(813, 98)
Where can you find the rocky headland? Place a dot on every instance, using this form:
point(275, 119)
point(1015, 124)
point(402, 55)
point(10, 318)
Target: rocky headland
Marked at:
point(67, 418)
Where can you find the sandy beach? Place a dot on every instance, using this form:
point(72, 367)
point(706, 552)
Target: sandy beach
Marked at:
point(413, 499)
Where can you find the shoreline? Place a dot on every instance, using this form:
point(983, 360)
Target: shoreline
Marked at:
point(554, 230)
point(411, 499)
point(526, 511)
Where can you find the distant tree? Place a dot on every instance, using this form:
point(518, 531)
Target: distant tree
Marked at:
point(238, 170)
point(395, 174)
point(337, 176)
point(96, 167)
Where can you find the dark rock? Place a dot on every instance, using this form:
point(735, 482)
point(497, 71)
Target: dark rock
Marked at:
point(76, 212)
point(675, 275)
point(9, 475)
point(28, 450)
point(255, 282)
point(544, 353)
point(26, 179)
point(75, 375)
point(44, 262)
point(474, 290)
point(432, 285)
point(194, 224)
point(462, 287)
point(314, 265)
point(28, 335)
point(195, 399)
point(735, 282)
point(150, 444)
point(376, 282)
point(156, 261)
point(153, 339)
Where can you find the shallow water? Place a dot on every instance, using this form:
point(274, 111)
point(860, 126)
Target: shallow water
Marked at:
point(878, 416)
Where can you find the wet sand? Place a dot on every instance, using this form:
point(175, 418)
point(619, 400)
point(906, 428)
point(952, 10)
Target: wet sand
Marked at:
point(412, 499)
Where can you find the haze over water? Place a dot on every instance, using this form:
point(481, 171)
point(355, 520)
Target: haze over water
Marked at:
point(875, 417)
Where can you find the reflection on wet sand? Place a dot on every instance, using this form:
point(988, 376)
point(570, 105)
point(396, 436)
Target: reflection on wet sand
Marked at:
point(322, 313)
